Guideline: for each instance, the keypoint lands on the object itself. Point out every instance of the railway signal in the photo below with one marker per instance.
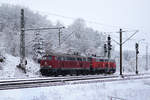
(137, 52)
(109, 46)
(137, 48)
(105, 49)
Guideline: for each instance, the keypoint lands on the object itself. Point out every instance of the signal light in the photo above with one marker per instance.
(105, 48)
(109, 43)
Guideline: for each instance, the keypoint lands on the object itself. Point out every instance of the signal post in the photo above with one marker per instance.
(137, 52)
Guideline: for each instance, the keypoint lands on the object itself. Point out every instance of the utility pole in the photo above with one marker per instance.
(59, 35)
(1, 27)
(120, 51)
(137, 52)
(22, 43)
(146, 57)
(59, 32)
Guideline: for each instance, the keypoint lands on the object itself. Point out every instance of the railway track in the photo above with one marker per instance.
(53, 81)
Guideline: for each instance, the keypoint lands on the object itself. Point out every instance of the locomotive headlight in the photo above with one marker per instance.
(45, 63)
(50, 66)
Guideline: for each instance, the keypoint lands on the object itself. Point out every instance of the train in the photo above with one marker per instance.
(66, 64)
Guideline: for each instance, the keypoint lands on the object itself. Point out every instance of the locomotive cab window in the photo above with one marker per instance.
(101, 60)
(44, 58)
(84, 59)
(59, 58)
(70, 58)
(89, 59)
(73, 59)
(49, 57)
(79, 59)
(97, 60)
(64, 58)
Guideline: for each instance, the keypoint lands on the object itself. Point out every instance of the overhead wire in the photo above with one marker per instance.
(87, 21)
(93, 22)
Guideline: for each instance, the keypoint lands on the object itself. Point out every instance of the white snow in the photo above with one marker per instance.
(9, 69)
(126, 90)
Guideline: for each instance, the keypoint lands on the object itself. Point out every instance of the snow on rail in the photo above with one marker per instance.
(54, 81)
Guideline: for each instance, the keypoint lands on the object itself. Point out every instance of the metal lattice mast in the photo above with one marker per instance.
(22, 38)
(23, 61)
(120, 51)
(146, 57)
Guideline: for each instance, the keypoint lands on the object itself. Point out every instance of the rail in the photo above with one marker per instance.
(53, 81)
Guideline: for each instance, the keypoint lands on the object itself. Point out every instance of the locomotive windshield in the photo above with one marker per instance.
(47, 57)
(89, 59)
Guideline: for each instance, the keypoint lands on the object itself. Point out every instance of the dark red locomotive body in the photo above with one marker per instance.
(55, 64)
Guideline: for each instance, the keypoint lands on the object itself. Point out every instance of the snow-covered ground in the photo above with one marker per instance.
(9, 69)
(126, 90)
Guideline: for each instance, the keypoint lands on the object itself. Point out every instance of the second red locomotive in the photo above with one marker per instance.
(58, 64)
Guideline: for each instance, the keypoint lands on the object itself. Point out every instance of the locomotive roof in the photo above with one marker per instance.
(71, 55)
(66, 55)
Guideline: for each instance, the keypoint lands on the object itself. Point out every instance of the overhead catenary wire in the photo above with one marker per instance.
(146, 35)
(130, 37)
(98, 23)
(43, 28)
(87, 21)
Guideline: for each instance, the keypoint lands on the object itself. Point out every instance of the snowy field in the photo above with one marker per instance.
(9, 69)
(126, 90)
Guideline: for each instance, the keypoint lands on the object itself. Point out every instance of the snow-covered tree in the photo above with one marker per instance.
(38, 46)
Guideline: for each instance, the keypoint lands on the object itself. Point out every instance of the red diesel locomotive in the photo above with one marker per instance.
(55, 64)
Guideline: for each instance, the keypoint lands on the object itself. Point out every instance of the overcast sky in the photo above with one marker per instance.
(130, 14)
